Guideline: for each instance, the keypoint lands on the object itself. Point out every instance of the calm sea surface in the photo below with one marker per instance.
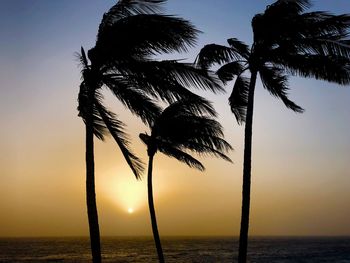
(221, 250)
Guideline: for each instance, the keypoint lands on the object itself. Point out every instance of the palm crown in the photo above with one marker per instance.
(286, 41)
(186, 126)
(130, 33)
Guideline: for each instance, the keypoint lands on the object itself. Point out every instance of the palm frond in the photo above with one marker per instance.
(276, 83)
(174, 92)
(83, 58)
(179, 124)
(133, 98)
(145, 35)
(316, 33)
(203, 142)
(125, 8)
(278, 20)
(230, 70)
(180, 155)
(190, 76)
(287, 7)
(156, 85)
(99, 127)
(187, 126)
(328, 47)
(240, 48)
(330, 68)
(321, 23)
(238, 99)
(323, 45)
(196, 133)
(203, 149)
(194, 106)
(155, 75)
(116, 129)
(213, 54)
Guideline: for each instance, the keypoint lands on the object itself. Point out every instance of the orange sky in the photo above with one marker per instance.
(300, 177)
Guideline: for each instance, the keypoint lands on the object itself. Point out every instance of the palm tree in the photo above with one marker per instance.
(287, 41)
(181, 127)
(129, 36)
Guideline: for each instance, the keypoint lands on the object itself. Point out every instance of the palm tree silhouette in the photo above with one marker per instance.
(184, 126)
(287, 41)
(129, 36)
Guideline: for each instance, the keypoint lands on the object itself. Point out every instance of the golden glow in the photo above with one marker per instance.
(124, 190)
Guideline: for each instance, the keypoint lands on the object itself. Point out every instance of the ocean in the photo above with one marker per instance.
(176, 249)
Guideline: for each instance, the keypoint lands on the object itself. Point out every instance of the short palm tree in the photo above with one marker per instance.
(129, 36)
(287, 41)
(184, 126)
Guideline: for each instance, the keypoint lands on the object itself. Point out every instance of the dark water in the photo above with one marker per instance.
(194, 250)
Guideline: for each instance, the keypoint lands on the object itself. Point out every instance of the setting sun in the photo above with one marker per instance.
(124, 190)
(116, 130)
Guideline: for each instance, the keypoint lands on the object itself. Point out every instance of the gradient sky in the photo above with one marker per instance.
(300, 176)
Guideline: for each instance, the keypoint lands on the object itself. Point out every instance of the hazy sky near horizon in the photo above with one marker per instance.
(301, 178)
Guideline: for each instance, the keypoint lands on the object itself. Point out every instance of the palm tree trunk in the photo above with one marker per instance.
(90, 190)
(243, 238)
(152, 211)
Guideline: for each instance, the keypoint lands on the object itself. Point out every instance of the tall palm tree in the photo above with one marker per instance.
(184, 126)
(129, 36)
(287, 41)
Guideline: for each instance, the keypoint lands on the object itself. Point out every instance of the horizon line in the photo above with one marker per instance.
(182, 236)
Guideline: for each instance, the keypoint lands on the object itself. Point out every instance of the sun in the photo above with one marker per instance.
(128, 194)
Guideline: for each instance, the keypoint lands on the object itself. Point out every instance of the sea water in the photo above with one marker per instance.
(180, 250)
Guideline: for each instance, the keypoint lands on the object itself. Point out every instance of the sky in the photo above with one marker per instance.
(300, 174)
